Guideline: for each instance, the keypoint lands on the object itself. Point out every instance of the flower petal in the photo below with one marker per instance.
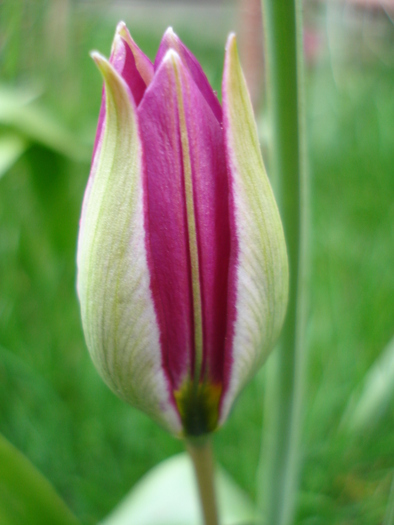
(258, 278)
(133, 65)
(171, 41)
(143, 64)
(118, 313)
(188, 223)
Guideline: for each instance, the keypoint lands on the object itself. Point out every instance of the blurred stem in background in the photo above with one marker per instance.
(200, 451)
(57, 30)
(283, 416)
(250, 31)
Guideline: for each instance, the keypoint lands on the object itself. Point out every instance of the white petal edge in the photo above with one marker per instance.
(118, 314)
(262, 267)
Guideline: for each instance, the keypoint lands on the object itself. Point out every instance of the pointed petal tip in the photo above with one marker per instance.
(173, 56)
(170, 34)
(97, 57)
(119, 32)
(231, 45)
(103, 65)
(122, 31)
(231, 40)
(231, 59)
(171, 38)
(121, 27)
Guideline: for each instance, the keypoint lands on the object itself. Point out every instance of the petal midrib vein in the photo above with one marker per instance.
(192, 231)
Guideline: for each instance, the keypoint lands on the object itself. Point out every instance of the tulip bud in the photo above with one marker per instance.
(182, 265)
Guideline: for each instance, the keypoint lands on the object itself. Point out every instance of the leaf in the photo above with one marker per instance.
(370, 400)
(27, 118)
(11, 148)
(167, 495)
(26, 497)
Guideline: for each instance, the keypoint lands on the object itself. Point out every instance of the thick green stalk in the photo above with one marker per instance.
(280, 452)
(200, 450)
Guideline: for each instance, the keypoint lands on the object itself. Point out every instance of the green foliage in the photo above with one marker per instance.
(25, 495)
(54, 407)
(370, 401)
(11, 148)
(347, 479)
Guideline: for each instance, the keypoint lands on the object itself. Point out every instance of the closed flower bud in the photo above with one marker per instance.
(182, 265)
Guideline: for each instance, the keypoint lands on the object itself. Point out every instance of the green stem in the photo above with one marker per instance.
(200, 451)
(279, 466)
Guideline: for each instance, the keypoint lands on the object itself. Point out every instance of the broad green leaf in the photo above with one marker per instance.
(370, 400)
(18, 96)
(23, 115)
(11, 148)
(167, 495)
(26, 497)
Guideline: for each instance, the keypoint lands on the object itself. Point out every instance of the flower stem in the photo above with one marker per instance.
(280, 457)
(200, 451)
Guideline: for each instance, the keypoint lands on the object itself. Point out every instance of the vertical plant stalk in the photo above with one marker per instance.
(280, 448)
(200, 451)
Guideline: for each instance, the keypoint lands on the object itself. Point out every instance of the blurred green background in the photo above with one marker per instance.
(53, 405)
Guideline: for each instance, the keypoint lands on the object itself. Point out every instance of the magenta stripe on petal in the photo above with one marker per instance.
(100, 125)
(168, 229)
(125, 63)
(209, 177)
(171, 41)
(227, 357)
(233, 271)
(142, 62)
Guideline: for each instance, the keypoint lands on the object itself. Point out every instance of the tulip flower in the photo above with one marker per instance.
(182, 264)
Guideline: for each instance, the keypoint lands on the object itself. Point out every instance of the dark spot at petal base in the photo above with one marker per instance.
(198, 407)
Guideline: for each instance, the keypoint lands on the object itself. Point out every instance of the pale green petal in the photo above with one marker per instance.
(262, 268)
(118, 313)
